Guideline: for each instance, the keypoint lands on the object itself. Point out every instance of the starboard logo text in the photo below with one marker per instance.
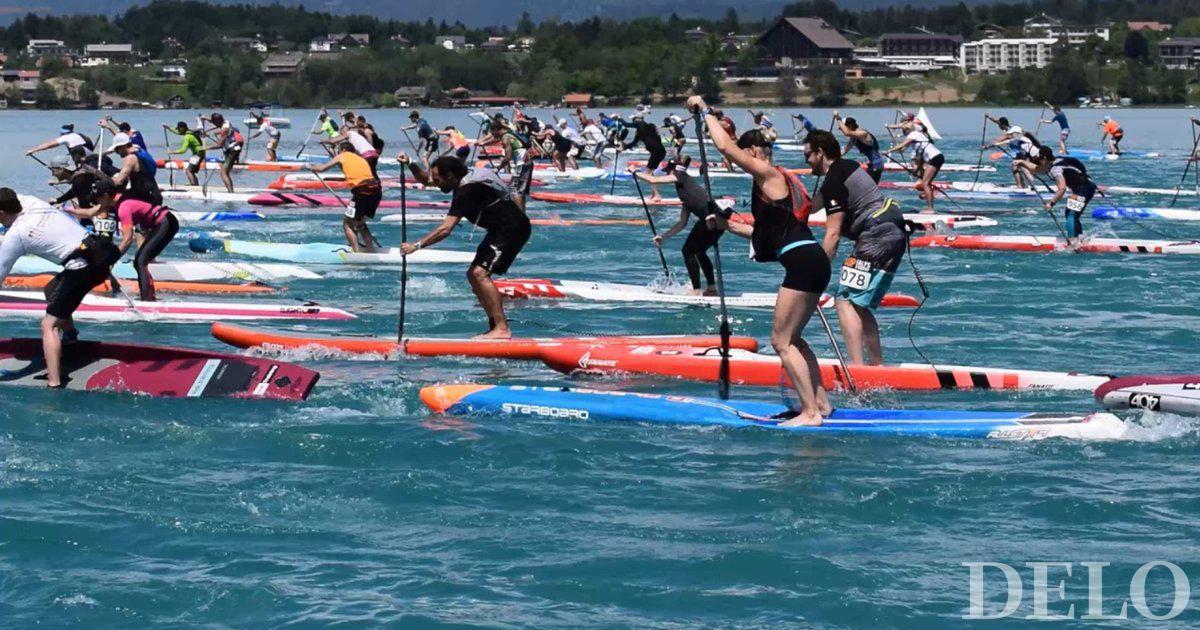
(1158, 579)
(545, 411)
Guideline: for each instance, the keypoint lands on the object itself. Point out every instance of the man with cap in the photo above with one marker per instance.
(229, 140)
(77, 144)
(36, 228)
(191, 142)
(80, 178)
(137, 171)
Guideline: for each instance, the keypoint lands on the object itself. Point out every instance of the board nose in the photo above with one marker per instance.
(439, 398)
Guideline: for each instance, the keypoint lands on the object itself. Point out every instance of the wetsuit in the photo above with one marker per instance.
(876, 226)
(701, 238)
(158, 227)
(779, 236)
(1081, 188)
(870, 150)
(678, 139)
(647, 134)
(483, 199)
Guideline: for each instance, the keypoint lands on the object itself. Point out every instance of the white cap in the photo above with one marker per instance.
(120, 140)
(562, 123)
(1107, 118)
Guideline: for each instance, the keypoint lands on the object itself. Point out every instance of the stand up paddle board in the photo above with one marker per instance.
(615, 200)
(541, 222)
(1051, 244)
(1173, 214)
(528, 348)
(184, 271)
(161, 286)
(158, 371)
(108, 309)
(275, 198)
(751, 368)
(1169, 393)
(613, 292)
(327, 253)
(575, 405)
(205, 217)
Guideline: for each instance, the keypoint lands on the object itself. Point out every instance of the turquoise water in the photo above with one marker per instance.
(357, 507)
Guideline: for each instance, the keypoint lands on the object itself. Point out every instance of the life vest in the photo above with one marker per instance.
(798, 197)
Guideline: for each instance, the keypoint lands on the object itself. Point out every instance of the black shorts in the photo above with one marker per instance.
(232, 156)
(431, 144)
(463, 152)
(656, 157)
(937, 162)
(364, 203)
(700, 239)
(806, 268)
(65, 292)
(499, 249)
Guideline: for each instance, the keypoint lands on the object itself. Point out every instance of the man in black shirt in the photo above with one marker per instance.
(702, 238)
(856, 210)
(482, 198)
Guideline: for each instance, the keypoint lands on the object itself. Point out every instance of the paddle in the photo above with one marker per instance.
(1191, 160)
(723, 374)
(654, 231)
(1041, 114)
(616, 158)
(312, 131)
(836, 348)
(171, 169)
(979, 163)
(403, 239)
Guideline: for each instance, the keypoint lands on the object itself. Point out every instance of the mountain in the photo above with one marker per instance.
(474, 13)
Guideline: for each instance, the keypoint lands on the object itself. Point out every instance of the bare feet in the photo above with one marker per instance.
(710, 292)
(802, 420)
(495, 333)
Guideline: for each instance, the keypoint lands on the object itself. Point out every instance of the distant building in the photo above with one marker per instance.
(1179, 53)
(338, 42)
(282, 65)
(695, 34)
(577, 99)
(495, 45)
(108, 55)
(38, 47)
(1072, 35)
(488, 101)
(456, 43)
(252, 44)
(920, 45)
(401, 41)
(1157, 27)
(525, 44)
(734, 43)
(412, 94)
(175, 73)
(998, 56)
(805, 42)
(175, 102)
(987, 30)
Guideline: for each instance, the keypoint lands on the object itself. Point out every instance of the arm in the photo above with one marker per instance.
(126, 238)
(833, 233)
(759, 169)
(107, 123)
(49, 144)
(321, 168)
(415, 168)
(436, 235)
(84, 213)
(11, 248)
(899, 147)
(1060, 191)
(653, 179)
(674, 229)
(122, 176)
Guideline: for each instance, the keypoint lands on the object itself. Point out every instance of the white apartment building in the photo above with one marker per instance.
(999, 56)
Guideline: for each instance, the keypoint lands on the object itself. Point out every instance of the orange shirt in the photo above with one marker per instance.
(1112, 128)
(355, 168)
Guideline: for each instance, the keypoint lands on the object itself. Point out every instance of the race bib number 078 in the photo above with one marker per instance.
(854, 278)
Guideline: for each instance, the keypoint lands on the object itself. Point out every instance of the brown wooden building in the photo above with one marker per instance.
(805, 42)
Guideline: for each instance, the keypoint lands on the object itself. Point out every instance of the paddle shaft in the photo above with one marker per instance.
(167, 146)
(836, 348)
(654, 231)
(723, 374)
(312, 131)
(1191, 160)
(403, 259)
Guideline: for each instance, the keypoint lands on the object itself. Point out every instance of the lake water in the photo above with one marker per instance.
(357, 507)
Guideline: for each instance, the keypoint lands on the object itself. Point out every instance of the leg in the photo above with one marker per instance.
(792, 311)
(364, 234)
(348, 228)
(492, 302)
(226, 172)
(151, 247)
(52, 349)
(191, 176)
(852, 330)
